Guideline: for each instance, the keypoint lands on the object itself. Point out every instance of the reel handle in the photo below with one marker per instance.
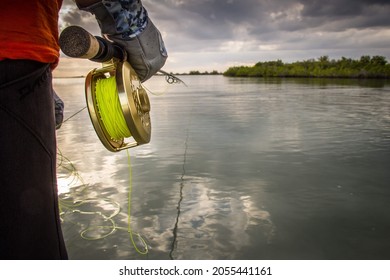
(77, 42)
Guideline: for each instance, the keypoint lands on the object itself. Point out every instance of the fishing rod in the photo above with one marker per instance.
(117, 103)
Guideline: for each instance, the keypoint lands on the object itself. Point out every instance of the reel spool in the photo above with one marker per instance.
(134, 105)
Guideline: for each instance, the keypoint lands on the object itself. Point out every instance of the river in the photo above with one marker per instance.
(237, 168)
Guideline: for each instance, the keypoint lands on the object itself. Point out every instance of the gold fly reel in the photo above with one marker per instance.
(134, 103)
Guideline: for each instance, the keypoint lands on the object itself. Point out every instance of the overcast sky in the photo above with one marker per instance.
(211, 35)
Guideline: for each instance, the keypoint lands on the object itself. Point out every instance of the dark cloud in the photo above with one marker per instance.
(345, 14)
(218, 19)
(341, 27)
(340, 8)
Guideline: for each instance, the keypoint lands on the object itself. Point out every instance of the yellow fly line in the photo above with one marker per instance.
(110, 109)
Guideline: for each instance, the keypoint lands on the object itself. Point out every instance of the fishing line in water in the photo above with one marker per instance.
(129, 230)
(97, 232)
(72, 174)
(176, 226)
(182, 183)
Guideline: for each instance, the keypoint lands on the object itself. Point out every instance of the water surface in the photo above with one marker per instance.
(237, 168)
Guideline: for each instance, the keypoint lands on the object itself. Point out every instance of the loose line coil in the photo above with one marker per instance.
(118, 106)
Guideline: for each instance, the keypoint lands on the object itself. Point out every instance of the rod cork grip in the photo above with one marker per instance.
(76, 42)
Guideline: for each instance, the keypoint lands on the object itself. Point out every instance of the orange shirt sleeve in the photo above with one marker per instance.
(29, 30)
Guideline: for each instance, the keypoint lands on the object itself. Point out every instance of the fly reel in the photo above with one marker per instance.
(133, 105)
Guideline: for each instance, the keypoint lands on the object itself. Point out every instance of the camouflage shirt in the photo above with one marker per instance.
(129, 15)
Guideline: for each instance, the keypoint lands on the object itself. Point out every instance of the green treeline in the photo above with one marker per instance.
(196, 72)
(323, 67)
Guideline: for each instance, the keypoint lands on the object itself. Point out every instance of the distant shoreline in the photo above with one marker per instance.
(366, 67)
